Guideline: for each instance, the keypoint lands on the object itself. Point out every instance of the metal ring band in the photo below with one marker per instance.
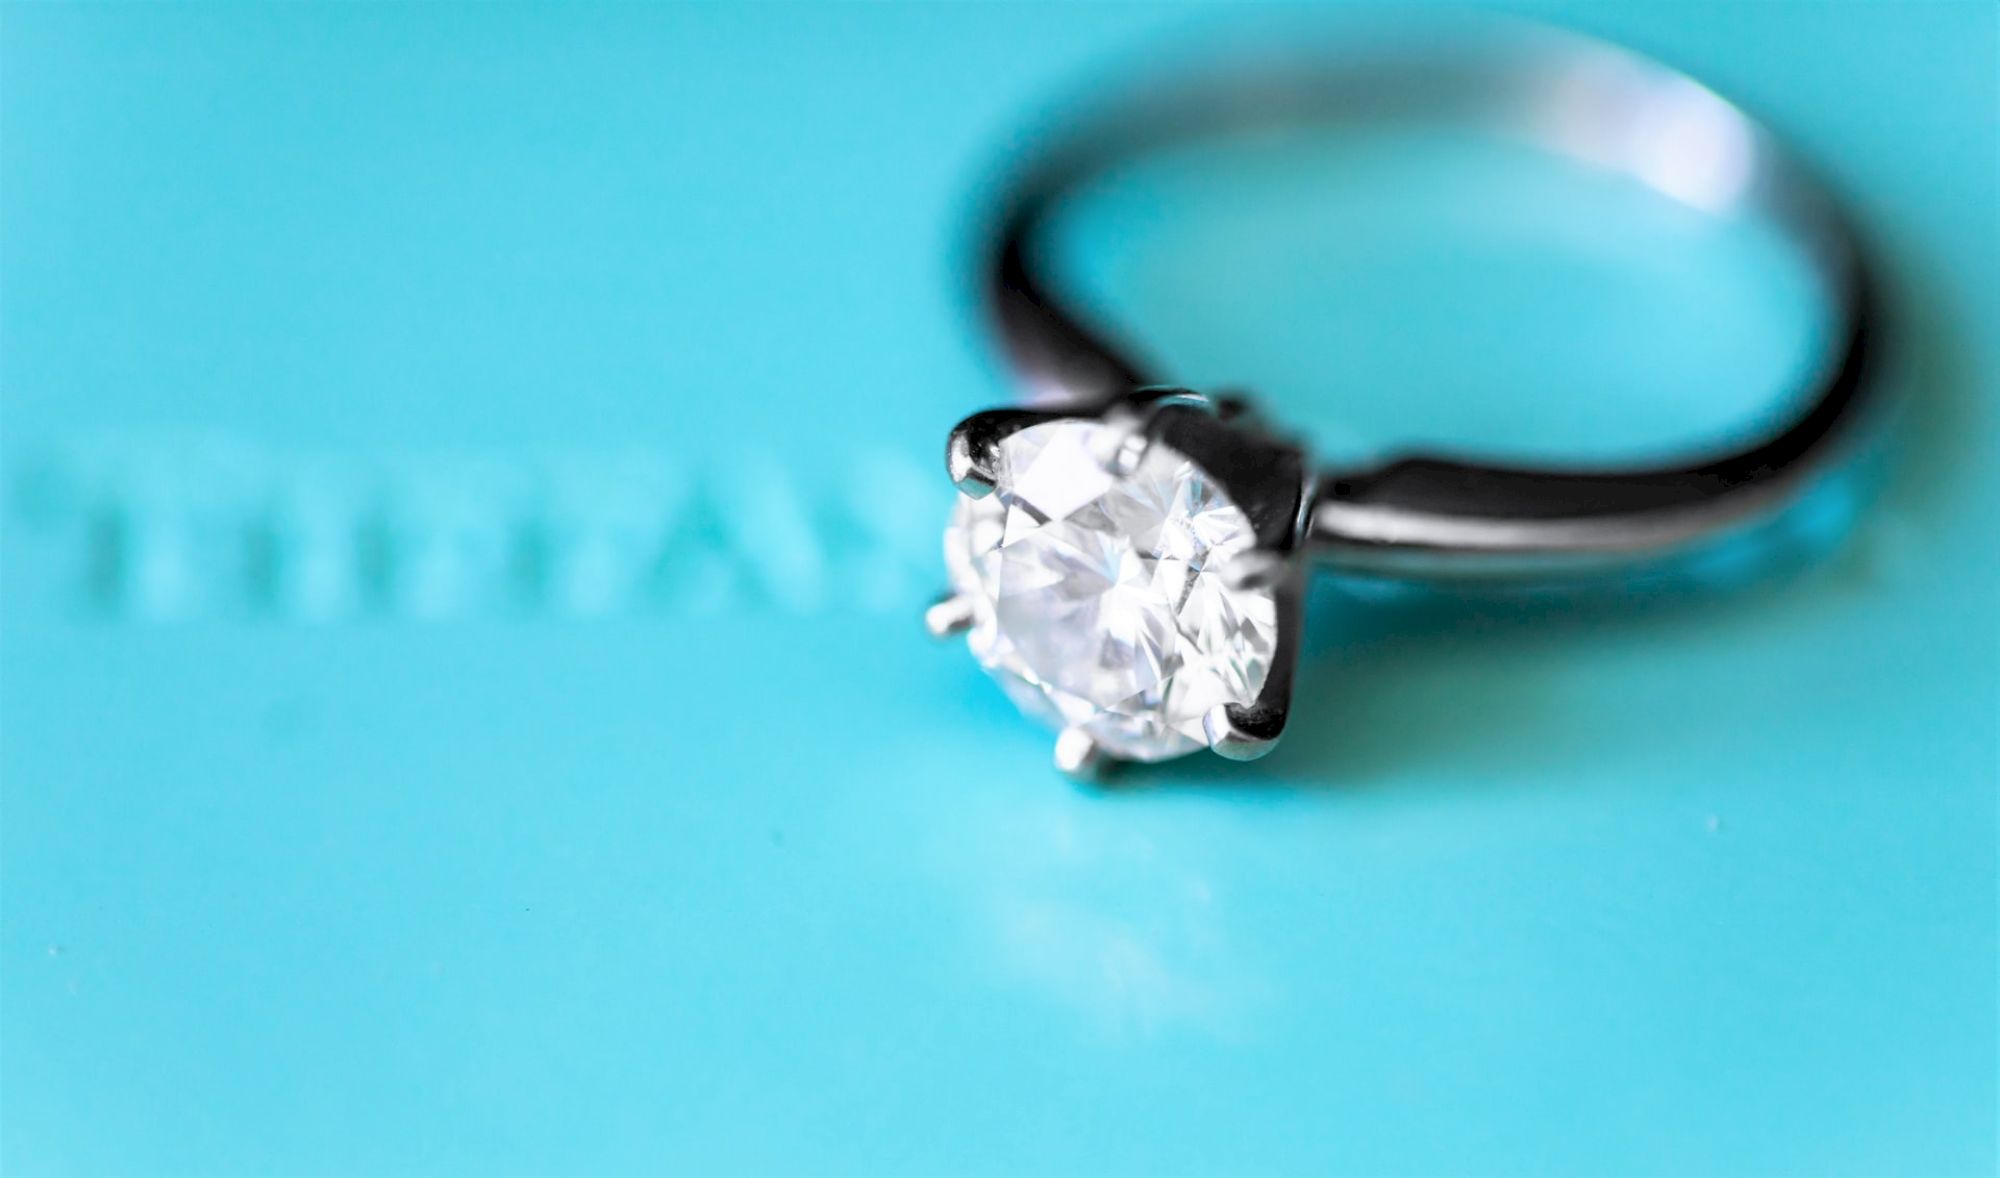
(1444, 517)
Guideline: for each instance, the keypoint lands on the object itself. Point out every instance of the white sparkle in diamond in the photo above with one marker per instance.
(1097, 598)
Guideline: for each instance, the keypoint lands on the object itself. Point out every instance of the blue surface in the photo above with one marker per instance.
(378, 798)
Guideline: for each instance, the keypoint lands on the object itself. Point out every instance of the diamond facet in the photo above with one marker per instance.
(1097, 592)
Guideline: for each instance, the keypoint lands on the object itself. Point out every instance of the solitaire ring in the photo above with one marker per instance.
(1128, 558)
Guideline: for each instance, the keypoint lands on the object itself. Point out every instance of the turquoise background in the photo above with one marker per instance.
(419, 758)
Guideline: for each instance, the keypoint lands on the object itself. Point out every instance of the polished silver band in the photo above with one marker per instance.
(1446, 517)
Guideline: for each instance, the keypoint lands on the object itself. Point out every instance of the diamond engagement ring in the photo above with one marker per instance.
(1128, 558)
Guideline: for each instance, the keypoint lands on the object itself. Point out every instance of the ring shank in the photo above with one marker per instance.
(1447, 517)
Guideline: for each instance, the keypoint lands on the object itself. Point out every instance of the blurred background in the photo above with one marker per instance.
(469, 477)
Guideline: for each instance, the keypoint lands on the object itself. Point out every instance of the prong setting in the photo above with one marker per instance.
(1124, 448)
(970, 453)
(972, 474)
(1242, 733)
(1245, 732)
(950, 614)
(1260, 568)
(1080, 758)
(1173, 458)
(1134, 422)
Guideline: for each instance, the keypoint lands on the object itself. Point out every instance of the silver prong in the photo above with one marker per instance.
(1256, 569)
(1125, 446)
(1078, 757)
(949, 615)
(1132, 423)
(972, 452)
(1240, 733)
(971, 473)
